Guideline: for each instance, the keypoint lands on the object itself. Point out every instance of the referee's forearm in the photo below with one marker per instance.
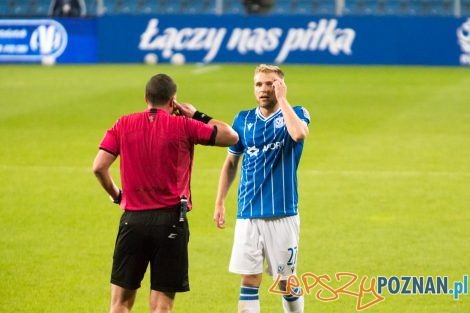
(106, 181)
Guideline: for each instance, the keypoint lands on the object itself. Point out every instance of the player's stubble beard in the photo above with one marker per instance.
(269, 105)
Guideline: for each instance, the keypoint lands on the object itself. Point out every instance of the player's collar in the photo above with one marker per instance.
(265, 119)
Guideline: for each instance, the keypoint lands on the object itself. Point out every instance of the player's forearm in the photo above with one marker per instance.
(295, 126)
(227, 176)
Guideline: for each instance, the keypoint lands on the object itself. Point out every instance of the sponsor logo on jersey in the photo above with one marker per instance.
(306, 113)
(279, 122)
(253, 150)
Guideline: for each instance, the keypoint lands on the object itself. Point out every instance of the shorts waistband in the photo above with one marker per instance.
(159, 210)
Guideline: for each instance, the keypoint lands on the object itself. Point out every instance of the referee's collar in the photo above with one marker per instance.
(156, 111)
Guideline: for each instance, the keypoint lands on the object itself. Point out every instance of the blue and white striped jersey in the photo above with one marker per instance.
(268, 182)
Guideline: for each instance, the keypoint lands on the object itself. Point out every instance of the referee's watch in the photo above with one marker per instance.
(118, 199)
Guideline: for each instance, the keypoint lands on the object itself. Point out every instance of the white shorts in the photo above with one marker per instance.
(273, 239)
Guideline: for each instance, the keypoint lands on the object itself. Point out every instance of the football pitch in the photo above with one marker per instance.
(384, 183)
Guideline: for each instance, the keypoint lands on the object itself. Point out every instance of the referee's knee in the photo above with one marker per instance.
(122, 299)
(161, 302)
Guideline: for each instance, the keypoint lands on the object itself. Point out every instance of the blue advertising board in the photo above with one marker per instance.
(286, 39)
(239, 39)
(54, 40)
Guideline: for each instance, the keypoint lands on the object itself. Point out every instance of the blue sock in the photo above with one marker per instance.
(249, 300)
(249, 293)
(291, 297)
(292, 303)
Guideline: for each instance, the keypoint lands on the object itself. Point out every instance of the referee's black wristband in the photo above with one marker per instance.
(201, 117)
(118, 199)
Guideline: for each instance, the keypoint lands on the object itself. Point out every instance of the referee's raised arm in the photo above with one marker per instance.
(225, 136)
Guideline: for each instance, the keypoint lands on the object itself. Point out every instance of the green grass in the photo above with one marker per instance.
(384, 182)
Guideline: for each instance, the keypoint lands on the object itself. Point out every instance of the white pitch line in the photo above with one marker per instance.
(12, 84)
(301, 172)
(206, 69)
(385, 173)
(46, 168)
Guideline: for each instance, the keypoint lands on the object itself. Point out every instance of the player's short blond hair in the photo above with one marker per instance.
(266, 68)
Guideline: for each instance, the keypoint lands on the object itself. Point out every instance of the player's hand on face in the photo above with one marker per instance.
(219, 216)
(185, 109)
(280, 88)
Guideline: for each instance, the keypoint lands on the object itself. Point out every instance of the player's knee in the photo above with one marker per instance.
(282, 285)
(251, 280)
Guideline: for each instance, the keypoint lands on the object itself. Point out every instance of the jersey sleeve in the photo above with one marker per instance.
(303, 114)
(201, 133)
(110, 142)
(238, 148)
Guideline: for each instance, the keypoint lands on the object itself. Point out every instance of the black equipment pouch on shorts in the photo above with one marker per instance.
(183, 209)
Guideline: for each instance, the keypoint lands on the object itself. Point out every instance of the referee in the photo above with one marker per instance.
(156, 149)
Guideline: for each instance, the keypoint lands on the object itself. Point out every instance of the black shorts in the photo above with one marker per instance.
(155, 237)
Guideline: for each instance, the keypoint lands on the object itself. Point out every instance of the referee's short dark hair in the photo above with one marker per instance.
(160, 88)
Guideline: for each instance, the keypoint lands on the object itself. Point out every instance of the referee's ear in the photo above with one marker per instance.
(172, 104)
(147, 100)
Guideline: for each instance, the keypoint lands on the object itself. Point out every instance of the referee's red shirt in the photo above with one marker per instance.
(156, 151)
